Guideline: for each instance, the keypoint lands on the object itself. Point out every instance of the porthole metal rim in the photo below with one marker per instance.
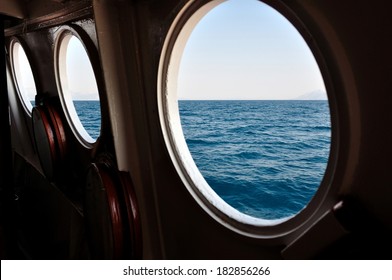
(26, 103)
(66, 99)
(170, 125)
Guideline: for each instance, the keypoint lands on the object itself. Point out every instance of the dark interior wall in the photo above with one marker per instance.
(5, 151)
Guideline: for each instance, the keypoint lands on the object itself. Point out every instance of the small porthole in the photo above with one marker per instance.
(244, 111)
(78, 87)
(24, 77)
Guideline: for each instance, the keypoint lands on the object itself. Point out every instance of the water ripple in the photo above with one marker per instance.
(264, 158)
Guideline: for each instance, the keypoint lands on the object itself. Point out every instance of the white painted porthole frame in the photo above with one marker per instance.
(63, 37)
(26, 103)
(184, 164)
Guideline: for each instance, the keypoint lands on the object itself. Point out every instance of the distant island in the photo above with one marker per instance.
(313, 95)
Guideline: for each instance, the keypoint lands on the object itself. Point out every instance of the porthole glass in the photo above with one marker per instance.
(78, 88)
(245, 112)
(23, 76)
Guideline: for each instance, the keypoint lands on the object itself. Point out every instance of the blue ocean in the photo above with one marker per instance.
(264, 158)
(89, 113)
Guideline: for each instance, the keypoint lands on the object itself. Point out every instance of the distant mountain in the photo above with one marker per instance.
(313, 95)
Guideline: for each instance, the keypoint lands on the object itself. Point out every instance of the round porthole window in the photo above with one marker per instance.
(23, 74)
(244, 111)
(78, 87)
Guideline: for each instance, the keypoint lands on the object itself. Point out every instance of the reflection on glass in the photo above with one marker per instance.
(254, 109)
(23, 75)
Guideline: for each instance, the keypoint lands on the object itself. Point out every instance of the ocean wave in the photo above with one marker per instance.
(89, 113)
(265, 159)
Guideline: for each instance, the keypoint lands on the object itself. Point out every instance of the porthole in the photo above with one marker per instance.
(245, 112)
(78, 87)
(23, 74)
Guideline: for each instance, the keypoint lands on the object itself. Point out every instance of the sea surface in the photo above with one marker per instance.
(89, 113)
(264, 158)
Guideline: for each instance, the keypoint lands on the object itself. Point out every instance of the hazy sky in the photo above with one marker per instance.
(24, 74)
(81, 79)
(244, 49)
